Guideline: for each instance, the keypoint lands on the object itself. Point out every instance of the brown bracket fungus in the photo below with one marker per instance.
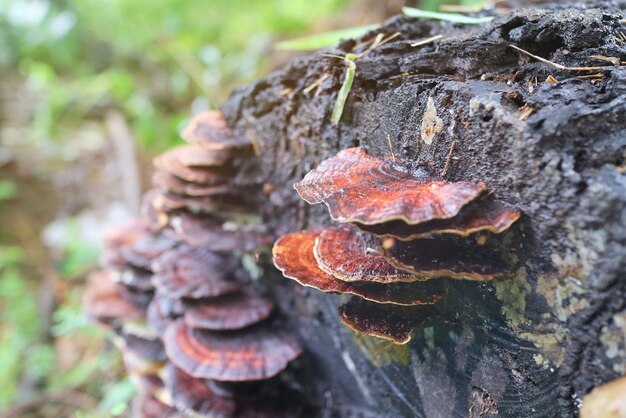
(150, 349)
(480, 215)
(229, 312)
(148, 406)
(170, 183)
(210, 233)
(293, 255)
(179, 162)
(176, 290)
(209, 130)
(193, 394)
(358, 187)
(252, 354)
(393, 323)
(104, 302)
(163, 310)
(192, 272)
(193, 156)
(136, 277)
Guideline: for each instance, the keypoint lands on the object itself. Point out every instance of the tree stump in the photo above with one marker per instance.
(550, 142)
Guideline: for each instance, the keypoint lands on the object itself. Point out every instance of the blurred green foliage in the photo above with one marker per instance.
(150, 58)
(8, 189)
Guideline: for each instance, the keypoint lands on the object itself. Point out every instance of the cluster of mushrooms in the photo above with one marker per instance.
(198, 335)
(402, 233)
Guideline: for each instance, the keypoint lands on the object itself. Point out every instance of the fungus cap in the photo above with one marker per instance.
(393, 323)
(174, 184)
(358, 187)
(200, 175)
(350, 255)
(150, 349)
(209, 130)
(192, 272)
(480, 215)
(103, 300)
(162, 311)
(195, 394)
(252, 354)
(197, 156)
(209, 232)
(293, 255)
(229, 312)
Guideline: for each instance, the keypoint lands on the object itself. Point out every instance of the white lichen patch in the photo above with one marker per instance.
(431, 123)
(613, 338)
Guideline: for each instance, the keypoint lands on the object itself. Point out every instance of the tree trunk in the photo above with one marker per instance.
(528, 346)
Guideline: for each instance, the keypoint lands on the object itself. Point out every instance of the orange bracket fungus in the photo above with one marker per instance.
(350, 255)
(414, 228)
(293, 255)
(358, 187)
(255, 354)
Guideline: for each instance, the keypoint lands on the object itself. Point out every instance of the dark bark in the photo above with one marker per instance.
(530, 346)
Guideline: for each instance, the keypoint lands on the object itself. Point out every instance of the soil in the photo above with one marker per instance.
(529, 346)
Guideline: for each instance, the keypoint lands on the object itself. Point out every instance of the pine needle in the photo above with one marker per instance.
(554, 64)
(427, 40)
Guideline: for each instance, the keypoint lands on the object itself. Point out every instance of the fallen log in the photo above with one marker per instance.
(532, 104)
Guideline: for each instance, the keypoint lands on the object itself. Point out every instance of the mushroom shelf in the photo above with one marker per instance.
(197, 334)
(375, 192)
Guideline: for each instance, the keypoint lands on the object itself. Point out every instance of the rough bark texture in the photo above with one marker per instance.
(530, 346)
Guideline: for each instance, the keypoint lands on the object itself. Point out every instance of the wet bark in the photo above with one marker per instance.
(529, 346)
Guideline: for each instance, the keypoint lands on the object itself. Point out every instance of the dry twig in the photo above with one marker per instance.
(554, 64)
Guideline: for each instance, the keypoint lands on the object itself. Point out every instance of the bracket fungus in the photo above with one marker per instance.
(481, 215)
(210, 232)
(192, 394)
(293, 255)
(176, 293)
(246, 355)
(416, 230)
(358, 187)
(391, 323)
(193, 272)
(209, 130)
(350, 255)
(230, 312)
(104, 302)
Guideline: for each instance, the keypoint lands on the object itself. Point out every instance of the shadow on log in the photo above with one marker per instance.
(556, 149)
